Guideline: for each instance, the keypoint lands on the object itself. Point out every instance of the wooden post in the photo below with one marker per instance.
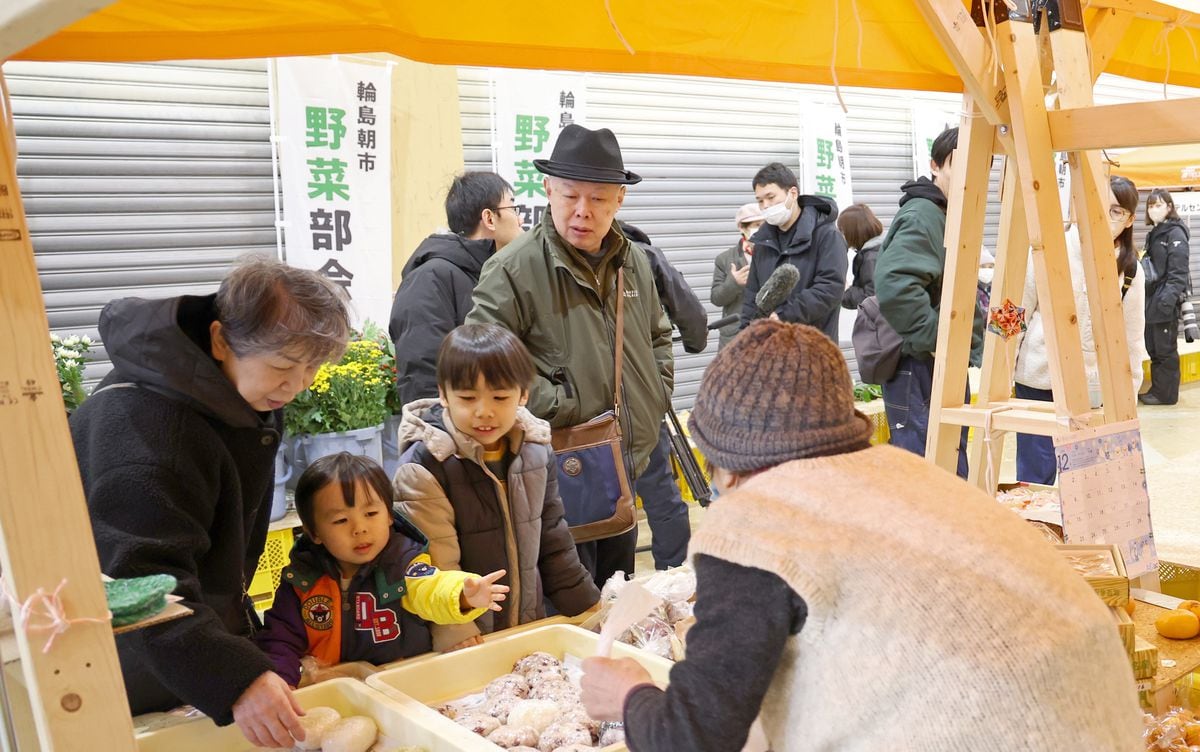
(966, 209)
(1035, 167)
(1089, 190)
(1008, 281)
(75, 688)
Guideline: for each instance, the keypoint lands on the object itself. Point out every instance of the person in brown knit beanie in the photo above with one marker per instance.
(810, 410)
(858, 598)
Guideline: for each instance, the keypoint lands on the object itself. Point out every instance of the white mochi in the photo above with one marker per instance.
(316, 722)
(354, 734)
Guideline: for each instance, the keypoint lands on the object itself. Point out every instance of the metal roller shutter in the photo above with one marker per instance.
(144, 180)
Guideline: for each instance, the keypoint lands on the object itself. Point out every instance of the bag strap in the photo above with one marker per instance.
(620, 340)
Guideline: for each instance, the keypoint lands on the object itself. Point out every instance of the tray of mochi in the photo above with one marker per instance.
(341, 715)
(519, 692)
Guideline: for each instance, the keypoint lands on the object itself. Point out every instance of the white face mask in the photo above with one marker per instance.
(985, 274)
(778, 214)
(1157, 213)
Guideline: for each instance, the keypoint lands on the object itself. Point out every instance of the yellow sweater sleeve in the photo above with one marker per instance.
(435, 595)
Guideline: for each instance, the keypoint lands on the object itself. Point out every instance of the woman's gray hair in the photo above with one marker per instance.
(267, 306)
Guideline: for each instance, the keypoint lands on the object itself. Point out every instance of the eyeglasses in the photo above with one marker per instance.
(516, 209)
(1119, 213)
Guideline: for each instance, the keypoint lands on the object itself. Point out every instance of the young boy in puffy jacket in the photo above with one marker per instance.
(478, 476)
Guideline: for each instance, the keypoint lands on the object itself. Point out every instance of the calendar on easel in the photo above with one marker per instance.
(1102, 486)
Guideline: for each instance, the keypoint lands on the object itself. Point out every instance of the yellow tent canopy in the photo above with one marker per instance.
(1160, 166)
(884, 43)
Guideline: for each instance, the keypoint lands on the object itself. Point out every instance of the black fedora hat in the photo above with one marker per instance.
(587, 155)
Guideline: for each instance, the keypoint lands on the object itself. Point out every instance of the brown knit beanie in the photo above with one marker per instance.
(777, 392)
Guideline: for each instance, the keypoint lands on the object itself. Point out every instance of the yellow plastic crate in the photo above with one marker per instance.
(275, 556)
(400, 722)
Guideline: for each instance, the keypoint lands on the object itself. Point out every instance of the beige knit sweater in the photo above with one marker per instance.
(938, 620)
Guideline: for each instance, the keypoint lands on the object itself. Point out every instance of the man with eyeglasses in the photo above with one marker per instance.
(437, 282)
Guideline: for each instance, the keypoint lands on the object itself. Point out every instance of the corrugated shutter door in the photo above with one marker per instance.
(140, 180)
(698, 143)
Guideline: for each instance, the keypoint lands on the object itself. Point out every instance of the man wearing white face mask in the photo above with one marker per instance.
(801, 231)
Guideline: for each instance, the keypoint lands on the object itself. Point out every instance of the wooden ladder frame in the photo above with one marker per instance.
(1006, 113)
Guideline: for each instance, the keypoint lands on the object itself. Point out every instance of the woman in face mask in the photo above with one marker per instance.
(1167, 285)
(1035, 454)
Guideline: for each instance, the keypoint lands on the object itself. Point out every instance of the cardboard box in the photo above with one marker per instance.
(400, 724)
(450, 676)
(1145, 659)
(1113, 589)
(1125, 627)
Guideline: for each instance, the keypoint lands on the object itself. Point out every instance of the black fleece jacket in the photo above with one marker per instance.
(178, 472)
(434, 297)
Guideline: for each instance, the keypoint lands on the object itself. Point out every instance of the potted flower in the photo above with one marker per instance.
(387, 365)
(345, 407)
(69, 359)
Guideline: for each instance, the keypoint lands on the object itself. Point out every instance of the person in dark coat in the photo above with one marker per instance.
(436, 285)
(864, 233)
(666, 512)
(1168, 251)
(800, 231)
(731, 271)
(176, 451)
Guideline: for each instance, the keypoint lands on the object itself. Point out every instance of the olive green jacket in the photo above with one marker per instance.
(550, 297)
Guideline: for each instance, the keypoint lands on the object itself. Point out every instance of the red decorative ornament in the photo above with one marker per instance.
(1008, 320)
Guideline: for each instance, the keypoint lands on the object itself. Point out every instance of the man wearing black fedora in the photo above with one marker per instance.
(555, 287)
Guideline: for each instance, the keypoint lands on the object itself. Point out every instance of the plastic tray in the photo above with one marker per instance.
(401, 722)
(453, 675)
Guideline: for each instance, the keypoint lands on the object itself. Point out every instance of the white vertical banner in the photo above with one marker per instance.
(334, 121)
(825, 155)
(530, 109)
(929, 120)
(1062, 171)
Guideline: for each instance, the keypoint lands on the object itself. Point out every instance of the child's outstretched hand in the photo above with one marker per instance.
(483, 592)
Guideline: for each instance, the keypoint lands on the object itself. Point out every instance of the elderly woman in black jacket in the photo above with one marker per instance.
(176, 451)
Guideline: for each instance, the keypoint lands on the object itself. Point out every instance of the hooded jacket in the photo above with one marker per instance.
(565, 313)
(474, 523)
(908, 272)
(1167, 247)
(817, 249)
(684, 310)
(178, 473)
(863, 268)
(434, 297)
(382, 616)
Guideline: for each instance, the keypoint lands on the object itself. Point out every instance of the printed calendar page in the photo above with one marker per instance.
(1102, 483)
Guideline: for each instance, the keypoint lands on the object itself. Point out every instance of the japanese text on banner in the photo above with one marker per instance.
(334, 125)
(826, 156)
(531, 108)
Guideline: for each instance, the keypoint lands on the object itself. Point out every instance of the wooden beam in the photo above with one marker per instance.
(26, 22)
(1043, 212)
(969, 51)
(1018, 419)
(1105, 31)
(46, 539)
(965, 212)
(1157, 123)
(1090, 190)
(999, 355)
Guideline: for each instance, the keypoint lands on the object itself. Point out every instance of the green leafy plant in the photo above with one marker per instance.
(867, 392)
(69, 358)
(346, 395)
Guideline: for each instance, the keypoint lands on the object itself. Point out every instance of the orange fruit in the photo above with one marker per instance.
(1179, 624)
(1130, 606)
(1193, 606)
